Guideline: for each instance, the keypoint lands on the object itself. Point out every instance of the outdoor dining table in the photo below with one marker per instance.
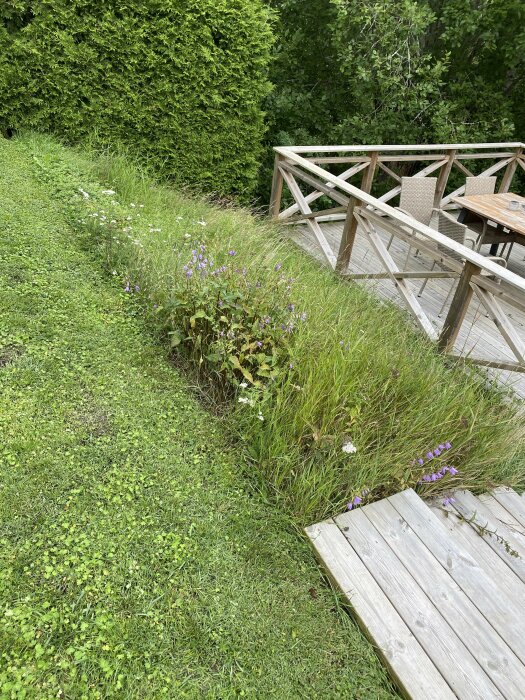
(495, 207)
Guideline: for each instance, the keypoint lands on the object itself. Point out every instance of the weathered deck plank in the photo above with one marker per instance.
(442, 645)
(512, 503)
(415, 674)
(472, 509)
(428, 578)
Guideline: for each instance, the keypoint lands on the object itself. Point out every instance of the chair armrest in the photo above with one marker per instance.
(470, 241)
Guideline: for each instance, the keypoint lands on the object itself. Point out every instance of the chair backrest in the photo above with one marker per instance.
(451, 228)
(480, 185)
(417, 197)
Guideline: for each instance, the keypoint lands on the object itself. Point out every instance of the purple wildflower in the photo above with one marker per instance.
(127, 288)
(137, 288)
(278, 267)
(430, 455)
(447, 446)
(448, 501)
(357, 501)
(420, 461)
(453, 471)
(232, 252)
(188, 273)
(259, 344)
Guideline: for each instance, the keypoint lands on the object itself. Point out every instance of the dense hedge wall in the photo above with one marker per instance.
(179, 81)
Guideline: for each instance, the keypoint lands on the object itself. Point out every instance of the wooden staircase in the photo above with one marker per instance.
(439, 590)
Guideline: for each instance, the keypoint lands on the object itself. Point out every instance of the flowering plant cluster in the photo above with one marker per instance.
(233, 323)
(229, 321)
(432, 476)
(438, 472)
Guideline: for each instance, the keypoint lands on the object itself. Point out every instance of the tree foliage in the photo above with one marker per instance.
(397, 71)
(179, 81)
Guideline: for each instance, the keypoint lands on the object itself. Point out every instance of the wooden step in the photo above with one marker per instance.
(444, 606)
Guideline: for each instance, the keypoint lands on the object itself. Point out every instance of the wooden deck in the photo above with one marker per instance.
(478, 337)
(442, 599)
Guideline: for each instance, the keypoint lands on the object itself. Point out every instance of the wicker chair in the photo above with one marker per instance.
(451, 228)
(417, 199)
(487, 234)
(480, 185)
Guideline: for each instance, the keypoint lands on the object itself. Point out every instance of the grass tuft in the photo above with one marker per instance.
(134, 561)
(358, 371)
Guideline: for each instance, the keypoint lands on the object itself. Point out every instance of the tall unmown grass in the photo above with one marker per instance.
(358, 370)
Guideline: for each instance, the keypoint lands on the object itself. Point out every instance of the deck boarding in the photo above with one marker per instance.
(440, 596)
(479, 337)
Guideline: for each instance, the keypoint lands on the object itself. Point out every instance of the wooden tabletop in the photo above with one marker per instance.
(495, 207)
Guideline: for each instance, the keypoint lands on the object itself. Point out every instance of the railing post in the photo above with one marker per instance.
(348, 238)
(350, 226)
(277, 188)
(510, 170)
(458, 307)
(368, 173)
(443, 177)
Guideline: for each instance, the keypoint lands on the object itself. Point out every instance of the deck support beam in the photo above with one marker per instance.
(443, 177)
(350, 226)
(458, 307)
(509, 173)
(277, 188)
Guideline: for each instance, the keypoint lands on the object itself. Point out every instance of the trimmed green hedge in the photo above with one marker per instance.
(180, 82)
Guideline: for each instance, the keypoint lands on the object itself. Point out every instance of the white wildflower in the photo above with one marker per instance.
(349, 448)
(108, 192)
(83, 193)
(141, 206)
(129, 218)
(187, 235)
(202, 223)
(114, 272)
(179, 218)
(245, 399)
(260, 416)
(243, 385)
(132, 205)
(155, 230)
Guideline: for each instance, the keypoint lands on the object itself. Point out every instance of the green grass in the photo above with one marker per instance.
(136, 561)
(360, 371)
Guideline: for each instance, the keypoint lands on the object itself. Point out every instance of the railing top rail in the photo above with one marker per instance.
(511, 278)
(399, 147)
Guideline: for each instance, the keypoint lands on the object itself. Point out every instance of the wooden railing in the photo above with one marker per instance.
(299, 169)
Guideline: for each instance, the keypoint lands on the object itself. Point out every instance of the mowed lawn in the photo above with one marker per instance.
(137, 560)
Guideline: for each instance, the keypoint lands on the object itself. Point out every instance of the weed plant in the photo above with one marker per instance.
(307, 363)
